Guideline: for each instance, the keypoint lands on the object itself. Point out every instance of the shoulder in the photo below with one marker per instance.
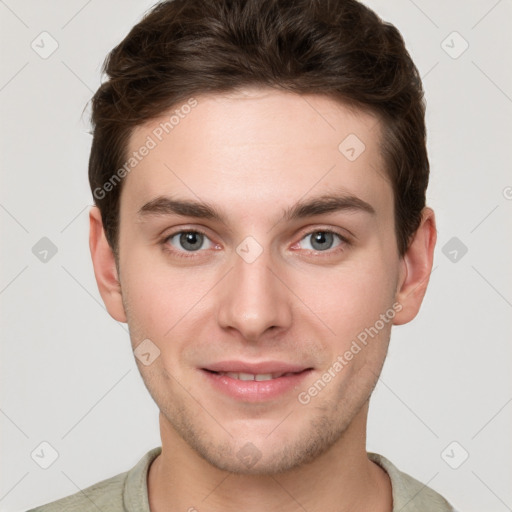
(104, 495)
(410, 495)
(111, 494)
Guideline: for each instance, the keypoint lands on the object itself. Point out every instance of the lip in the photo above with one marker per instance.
(255, 391)
(254, 368)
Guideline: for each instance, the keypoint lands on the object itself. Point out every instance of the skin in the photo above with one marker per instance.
(253, 154)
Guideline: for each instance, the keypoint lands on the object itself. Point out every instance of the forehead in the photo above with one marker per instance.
(258, 149)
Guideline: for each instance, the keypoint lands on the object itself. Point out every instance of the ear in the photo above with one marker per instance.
(416, 266)
(104, 265)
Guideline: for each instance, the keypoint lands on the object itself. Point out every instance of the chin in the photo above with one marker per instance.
(263, 455)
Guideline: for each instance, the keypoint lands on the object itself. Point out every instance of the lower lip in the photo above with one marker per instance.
(252, 390)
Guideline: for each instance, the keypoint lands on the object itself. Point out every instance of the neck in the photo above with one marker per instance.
(341, 479)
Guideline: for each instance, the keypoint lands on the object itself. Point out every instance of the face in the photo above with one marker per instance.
(259, 258)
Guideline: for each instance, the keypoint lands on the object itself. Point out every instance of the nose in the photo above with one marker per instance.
(253, 300)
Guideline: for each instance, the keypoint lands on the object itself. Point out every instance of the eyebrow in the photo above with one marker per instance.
(164, 205)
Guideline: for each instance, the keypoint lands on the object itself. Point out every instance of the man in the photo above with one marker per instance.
(259, 171)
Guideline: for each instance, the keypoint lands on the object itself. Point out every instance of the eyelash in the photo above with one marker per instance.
(191, 254)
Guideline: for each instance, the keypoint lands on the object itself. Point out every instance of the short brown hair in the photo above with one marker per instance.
(338, 48)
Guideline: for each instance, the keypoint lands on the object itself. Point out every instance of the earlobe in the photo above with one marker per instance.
(104, 265)
(416, 268)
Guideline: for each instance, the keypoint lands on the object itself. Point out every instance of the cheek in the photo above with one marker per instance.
(162, 299)
(351, 298)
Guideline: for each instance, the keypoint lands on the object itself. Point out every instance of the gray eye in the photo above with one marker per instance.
(188, 240)
(320, 240)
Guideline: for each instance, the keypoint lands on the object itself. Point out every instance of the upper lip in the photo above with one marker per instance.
(262, 367)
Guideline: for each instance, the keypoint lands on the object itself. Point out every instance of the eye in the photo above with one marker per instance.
(322, 240)
(189, 241)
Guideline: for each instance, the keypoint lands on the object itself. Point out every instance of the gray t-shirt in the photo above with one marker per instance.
(128, 492)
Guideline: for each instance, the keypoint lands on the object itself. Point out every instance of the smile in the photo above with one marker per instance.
(258, 377)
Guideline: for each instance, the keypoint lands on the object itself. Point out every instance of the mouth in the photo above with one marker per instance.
(259, 377)
(255, 382)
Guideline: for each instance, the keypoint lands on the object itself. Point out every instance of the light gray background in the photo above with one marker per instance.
(67, 372)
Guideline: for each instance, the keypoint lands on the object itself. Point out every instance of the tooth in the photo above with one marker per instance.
(245, 376)
(263, 376)
(250, 376)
